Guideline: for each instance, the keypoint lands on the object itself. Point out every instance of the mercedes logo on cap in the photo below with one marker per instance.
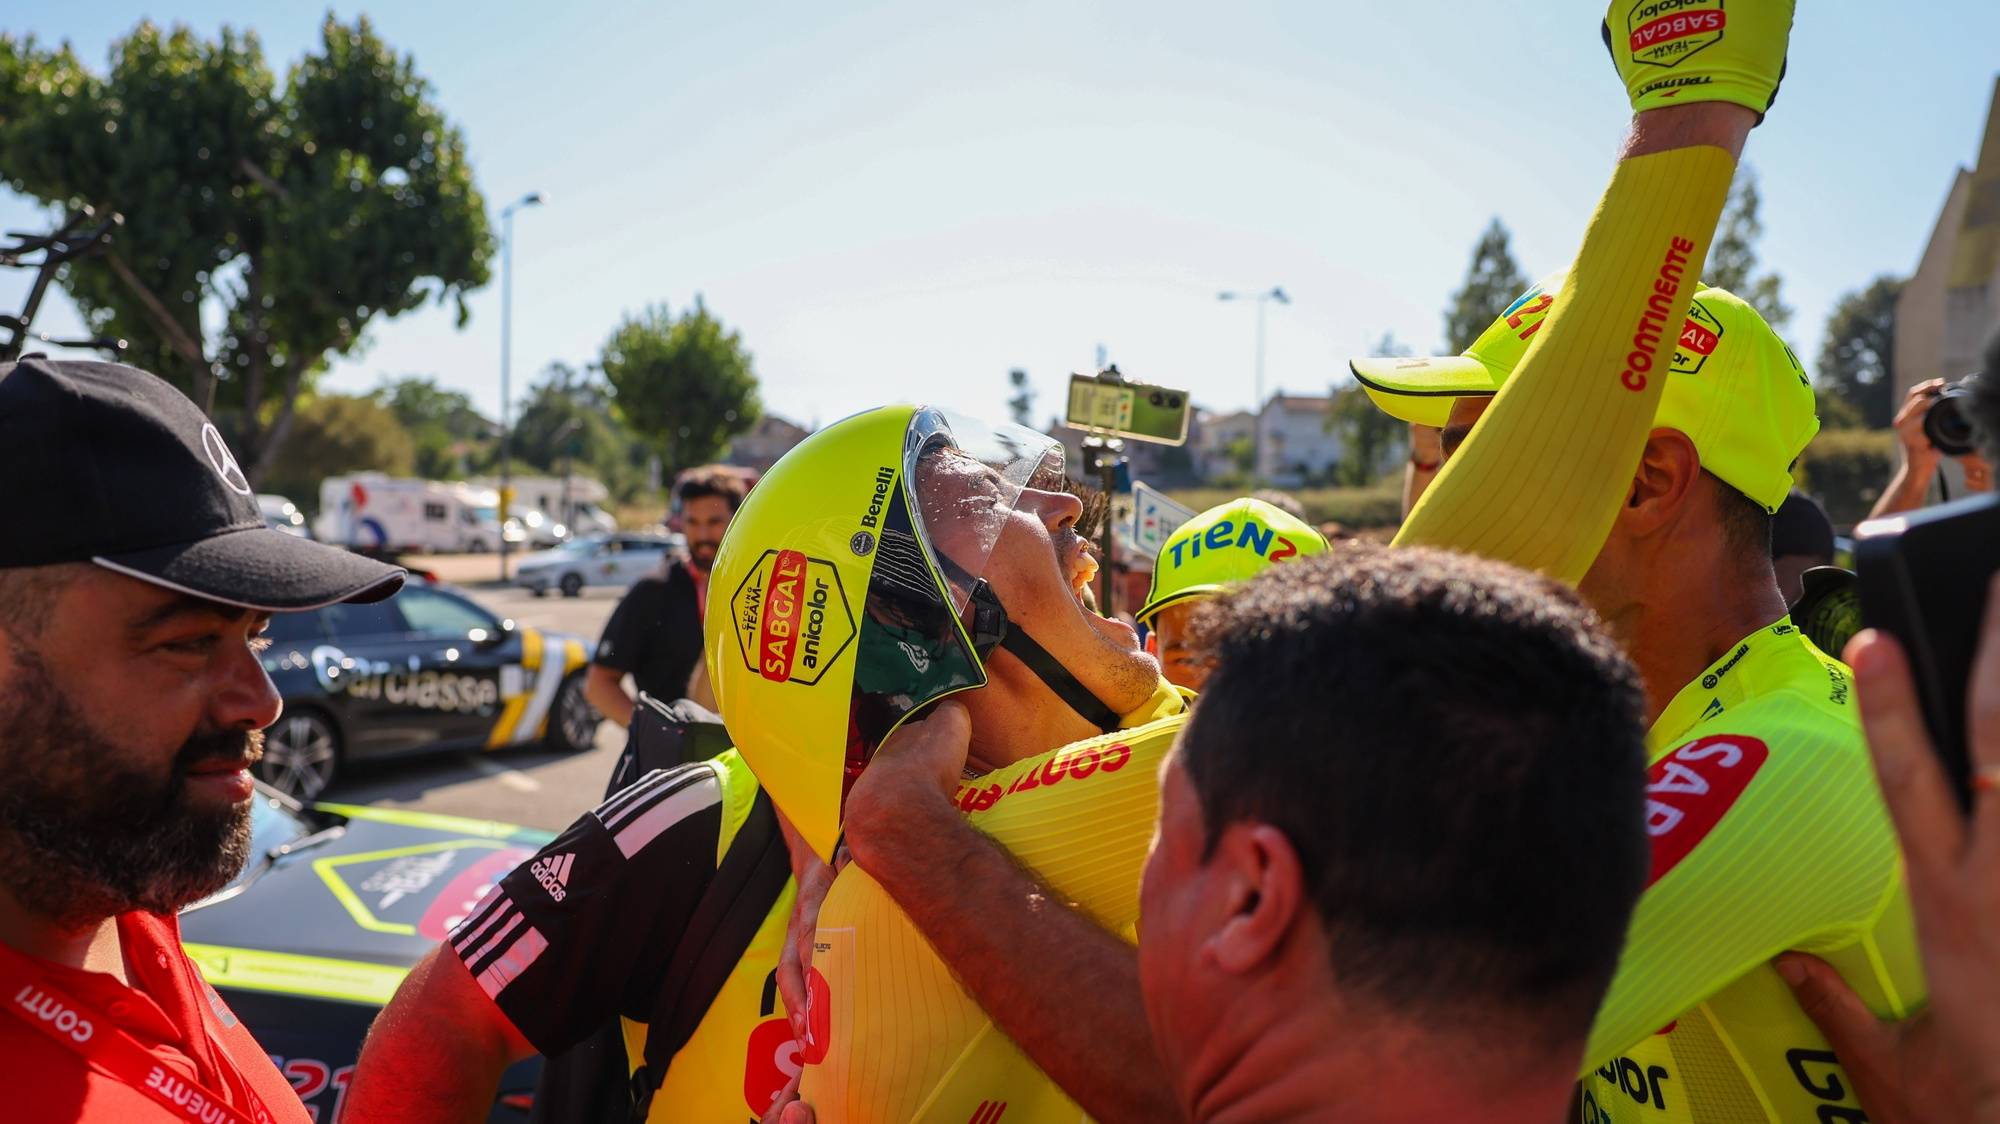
(222, 460)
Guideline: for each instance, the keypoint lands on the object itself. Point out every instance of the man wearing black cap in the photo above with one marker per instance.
(1801, 539)
(134, 583)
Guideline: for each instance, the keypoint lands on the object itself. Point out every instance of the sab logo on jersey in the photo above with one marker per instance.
(1689, 790)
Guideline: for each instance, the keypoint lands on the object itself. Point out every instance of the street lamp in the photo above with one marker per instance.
(1276, 293)
(531, 199)
(556, 441)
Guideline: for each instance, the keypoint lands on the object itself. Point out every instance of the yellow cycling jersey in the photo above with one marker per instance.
(1769, 834)
(905, 1042)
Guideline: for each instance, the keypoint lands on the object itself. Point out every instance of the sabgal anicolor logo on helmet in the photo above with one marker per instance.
(790, 617)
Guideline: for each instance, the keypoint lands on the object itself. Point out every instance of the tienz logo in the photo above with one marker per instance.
(1665, 32)
(790, 617)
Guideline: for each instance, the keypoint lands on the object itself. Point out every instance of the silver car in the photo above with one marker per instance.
(615, 560)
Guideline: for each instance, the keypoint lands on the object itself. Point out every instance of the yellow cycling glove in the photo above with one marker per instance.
(1677, 52)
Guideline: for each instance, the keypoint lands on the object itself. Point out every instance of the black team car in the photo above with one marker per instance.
(335, 906)
(426, 669)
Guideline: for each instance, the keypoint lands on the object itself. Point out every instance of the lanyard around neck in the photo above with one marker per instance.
(105, 1047)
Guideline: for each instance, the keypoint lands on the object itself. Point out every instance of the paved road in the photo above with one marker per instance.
(523, 786)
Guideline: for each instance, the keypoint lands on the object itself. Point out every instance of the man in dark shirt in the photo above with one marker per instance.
(654, 634)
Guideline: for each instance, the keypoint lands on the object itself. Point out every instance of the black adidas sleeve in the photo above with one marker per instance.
(584, 930)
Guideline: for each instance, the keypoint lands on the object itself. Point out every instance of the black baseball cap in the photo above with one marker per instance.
(105, 463)
(1801, 527)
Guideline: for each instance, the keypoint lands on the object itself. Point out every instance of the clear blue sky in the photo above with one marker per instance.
(903, 200)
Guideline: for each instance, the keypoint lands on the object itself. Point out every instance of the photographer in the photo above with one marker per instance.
(1921, 455)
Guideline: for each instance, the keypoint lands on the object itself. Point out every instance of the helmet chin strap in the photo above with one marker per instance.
(1057, 678)
(991, 628)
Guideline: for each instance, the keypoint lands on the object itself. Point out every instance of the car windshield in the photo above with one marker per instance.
(581, 546)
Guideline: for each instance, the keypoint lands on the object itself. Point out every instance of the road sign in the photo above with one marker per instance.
(1155, 515)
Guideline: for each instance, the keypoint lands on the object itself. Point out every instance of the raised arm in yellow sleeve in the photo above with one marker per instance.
(1541, 477)
(1545, 469)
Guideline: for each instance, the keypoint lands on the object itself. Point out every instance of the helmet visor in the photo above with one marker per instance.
(928, 620)
(967, 476)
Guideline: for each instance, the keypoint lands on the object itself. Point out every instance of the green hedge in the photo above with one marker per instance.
(1846, 470)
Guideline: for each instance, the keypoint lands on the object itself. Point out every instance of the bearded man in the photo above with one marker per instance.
(133, 591)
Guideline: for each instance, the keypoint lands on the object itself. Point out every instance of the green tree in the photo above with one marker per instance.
(1492, 282)
(683, 384)
(1021, 404)
(1366, 433)
(568, 422)
(450, 435)
(336, 433)
(266, 223)
(1732, 258)
(1242, 454)
(1857, 356)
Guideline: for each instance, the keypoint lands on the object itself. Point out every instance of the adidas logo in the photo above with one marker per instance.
(553, 874)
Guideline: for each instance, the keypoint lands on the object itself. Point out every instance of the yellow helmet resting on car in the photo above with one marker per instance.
(846, 595)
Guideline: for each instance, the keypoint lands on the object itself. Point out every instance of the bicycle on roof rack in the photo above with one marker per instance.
(81, 232)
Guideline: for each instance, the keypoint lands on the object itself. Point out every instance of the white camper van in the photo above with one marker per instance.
(580, 505)
(372, 511)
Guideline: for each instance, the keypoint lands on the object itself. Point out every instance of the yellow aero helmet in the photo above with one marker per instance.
(1229, 543)
(845, 594)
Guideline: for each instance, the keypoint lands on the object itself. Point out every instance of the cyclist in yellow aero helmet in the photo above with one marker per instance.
(905, 559)
(1226, 544)
(1768, 830)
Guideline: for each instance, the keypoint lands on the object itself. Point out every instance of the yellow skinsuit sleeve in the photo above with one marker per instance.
(908, 1045)
(1540, 480)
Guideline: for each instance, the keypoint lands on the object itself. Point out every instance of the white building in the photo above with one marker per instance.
(1219, 434)
(1952, 302)
(1294, 447)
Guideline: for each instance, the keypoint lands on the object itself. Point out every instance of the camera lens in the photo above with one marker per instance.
(1949, 424)
(1157, 399)
(1173, 401)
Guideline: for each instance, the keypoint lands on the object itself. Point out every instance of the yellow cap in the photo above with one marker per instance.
(1229, 543)
(1735, 389)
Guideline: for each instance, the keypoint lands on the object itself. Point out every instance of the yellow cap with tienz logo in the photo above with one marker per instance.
(1226, 544)
(1734, 387)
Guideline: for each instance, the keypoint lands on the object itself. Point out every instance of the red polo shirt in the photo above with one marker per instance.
(169, 1010)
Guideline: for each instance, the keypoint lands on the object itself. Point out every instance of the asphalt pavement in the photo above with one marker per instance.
(528, 786)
